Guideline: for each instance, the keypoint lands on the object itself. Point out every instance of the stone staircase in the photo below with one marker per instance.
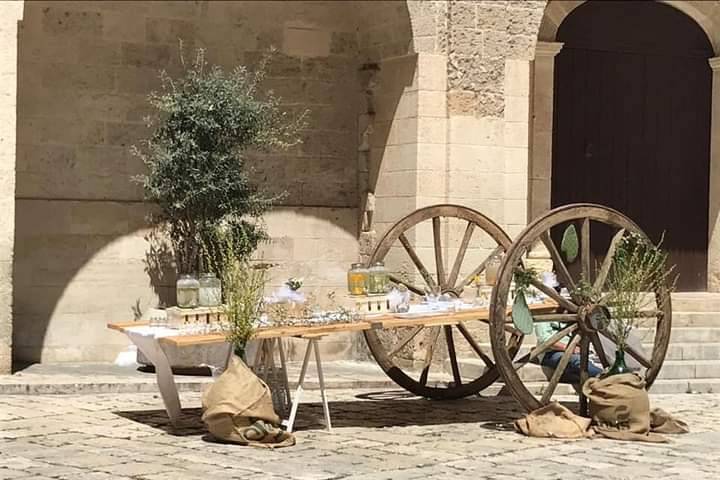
(692, 363)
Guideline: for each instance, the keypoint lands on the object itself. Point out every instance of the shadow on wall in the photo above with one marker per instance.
(84, 70)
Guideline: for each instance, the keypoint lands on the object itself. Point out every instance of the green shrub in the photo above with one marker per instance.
(205, 123)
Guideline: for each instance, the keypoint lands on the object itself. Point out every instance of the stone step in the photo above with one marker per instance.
(684, 334)
(700, 385)
(690, 351)
(696, 302)
(672, 370)
(687, 319)
(690, 369)
(676, 350)
(695, 319)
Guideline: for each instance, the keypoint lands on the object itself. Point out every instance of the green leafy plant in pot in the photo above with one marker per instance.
(639, 271)
(244, 287)
(205, 125)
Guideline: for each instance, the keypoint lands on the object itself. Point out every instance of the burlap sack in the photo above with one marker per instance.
(620, 407)
(238, 408)
(553, 421)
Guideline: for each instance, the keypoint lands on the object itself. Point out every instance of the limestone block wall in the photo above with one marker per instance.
(10, 14)
(84, 70)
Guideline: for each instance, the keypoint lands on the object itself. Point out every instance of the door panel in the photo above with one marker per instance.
(632, 129)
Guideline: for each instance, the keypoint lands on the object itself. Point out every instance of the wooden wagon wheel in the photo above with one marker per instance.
(386, 348)
(574, 314)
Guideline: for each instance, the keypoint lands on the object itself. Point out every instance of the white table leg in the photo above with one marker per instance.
(166, 383)
(299, 389)
(321, 380)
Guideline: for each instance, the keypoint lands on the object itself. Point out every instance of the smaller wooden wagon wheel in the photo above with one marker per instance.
(476, 240)
(576, 317)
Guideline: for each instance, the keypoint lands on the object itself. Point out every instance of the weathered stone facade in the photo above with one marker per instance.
(413, 102)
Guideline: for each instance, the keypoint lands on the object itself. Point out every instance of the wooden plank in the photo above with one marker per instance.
(121, 326)
(380, 321)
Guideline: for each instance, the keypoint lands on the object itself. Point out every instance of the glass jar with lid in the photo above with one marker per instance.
(187, 290)
(357, 278)
(377, 278)
(491, 269)
(210, 294)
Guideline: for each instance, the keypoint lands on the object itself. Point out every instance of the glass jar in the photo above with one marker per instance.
(357, 279)
(187, 290)
(210, 290)
(377, 278)
(491, 269)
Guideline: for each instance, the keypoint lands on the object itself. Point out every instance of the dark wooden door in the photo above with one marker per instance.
(632, 124)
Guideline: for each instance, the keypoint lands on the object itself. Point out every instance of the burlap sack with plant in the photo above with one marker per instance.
(620, 408)
(238, 408)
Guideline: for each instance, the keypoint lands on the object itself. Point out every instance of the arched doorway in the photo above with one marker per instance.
(631, 123)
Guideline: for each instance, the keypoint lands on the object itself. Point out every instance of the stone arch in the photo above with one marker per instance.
(707, 16)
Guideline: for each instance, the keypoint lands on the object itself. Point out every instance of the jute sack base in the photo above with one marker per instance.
(554, 421)
(620, 408)
(238, 408)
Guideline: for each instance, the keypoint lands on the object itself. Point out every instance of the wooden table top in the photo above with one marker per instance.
(386, 321)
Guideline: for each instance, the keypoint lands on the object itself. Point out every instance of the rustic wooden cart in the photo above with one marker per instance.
(481, 345)
(425, 235)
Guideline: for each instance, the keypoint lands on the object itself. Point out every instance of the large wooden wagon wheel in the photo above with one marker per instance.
(576, 314)
(482, 238)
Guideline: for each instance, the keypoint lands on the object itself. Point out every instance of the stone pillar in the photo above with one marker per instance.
(542, 126)
(10, 15)
(714, 199)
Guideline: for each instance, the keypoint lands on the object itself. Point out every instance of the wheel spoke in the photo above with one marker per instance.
(434, 334)
(466, 281)
(555, 317)
(562, 365)
(561, 269)
(566, 304)
(631, 350)
(585, 249)
(584, 363)
(451, 354)
(405, 341)
(638, 356)
(418, 263)
(543, 347)
(607, 261)
(461, 255)
(438, 252)
(410, 286)
(599, 349)
(474, 345)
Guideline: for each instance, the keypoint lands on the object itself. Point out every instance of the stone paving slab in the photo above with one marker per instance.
(386, 434)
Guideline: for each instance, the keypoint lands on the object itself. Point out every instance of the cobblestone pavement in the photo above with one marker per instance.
(377, 435)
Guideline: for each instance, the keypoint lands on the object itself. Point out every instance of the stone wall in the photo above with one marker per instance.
(84, 70)
(10, 14)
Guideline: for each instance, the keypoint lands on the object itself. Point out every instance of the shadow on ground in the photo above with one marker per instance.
(369, 410)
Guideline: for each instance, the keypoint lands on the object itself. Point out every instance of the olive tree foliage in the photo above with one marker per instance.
(204, 124)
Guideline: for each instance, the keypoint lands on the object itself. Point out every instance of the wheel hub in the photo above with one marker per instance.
(593, 318)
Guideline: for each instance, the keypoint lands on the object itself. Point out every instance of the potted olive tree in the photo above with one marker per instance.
(206, 122)
(209, 207)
